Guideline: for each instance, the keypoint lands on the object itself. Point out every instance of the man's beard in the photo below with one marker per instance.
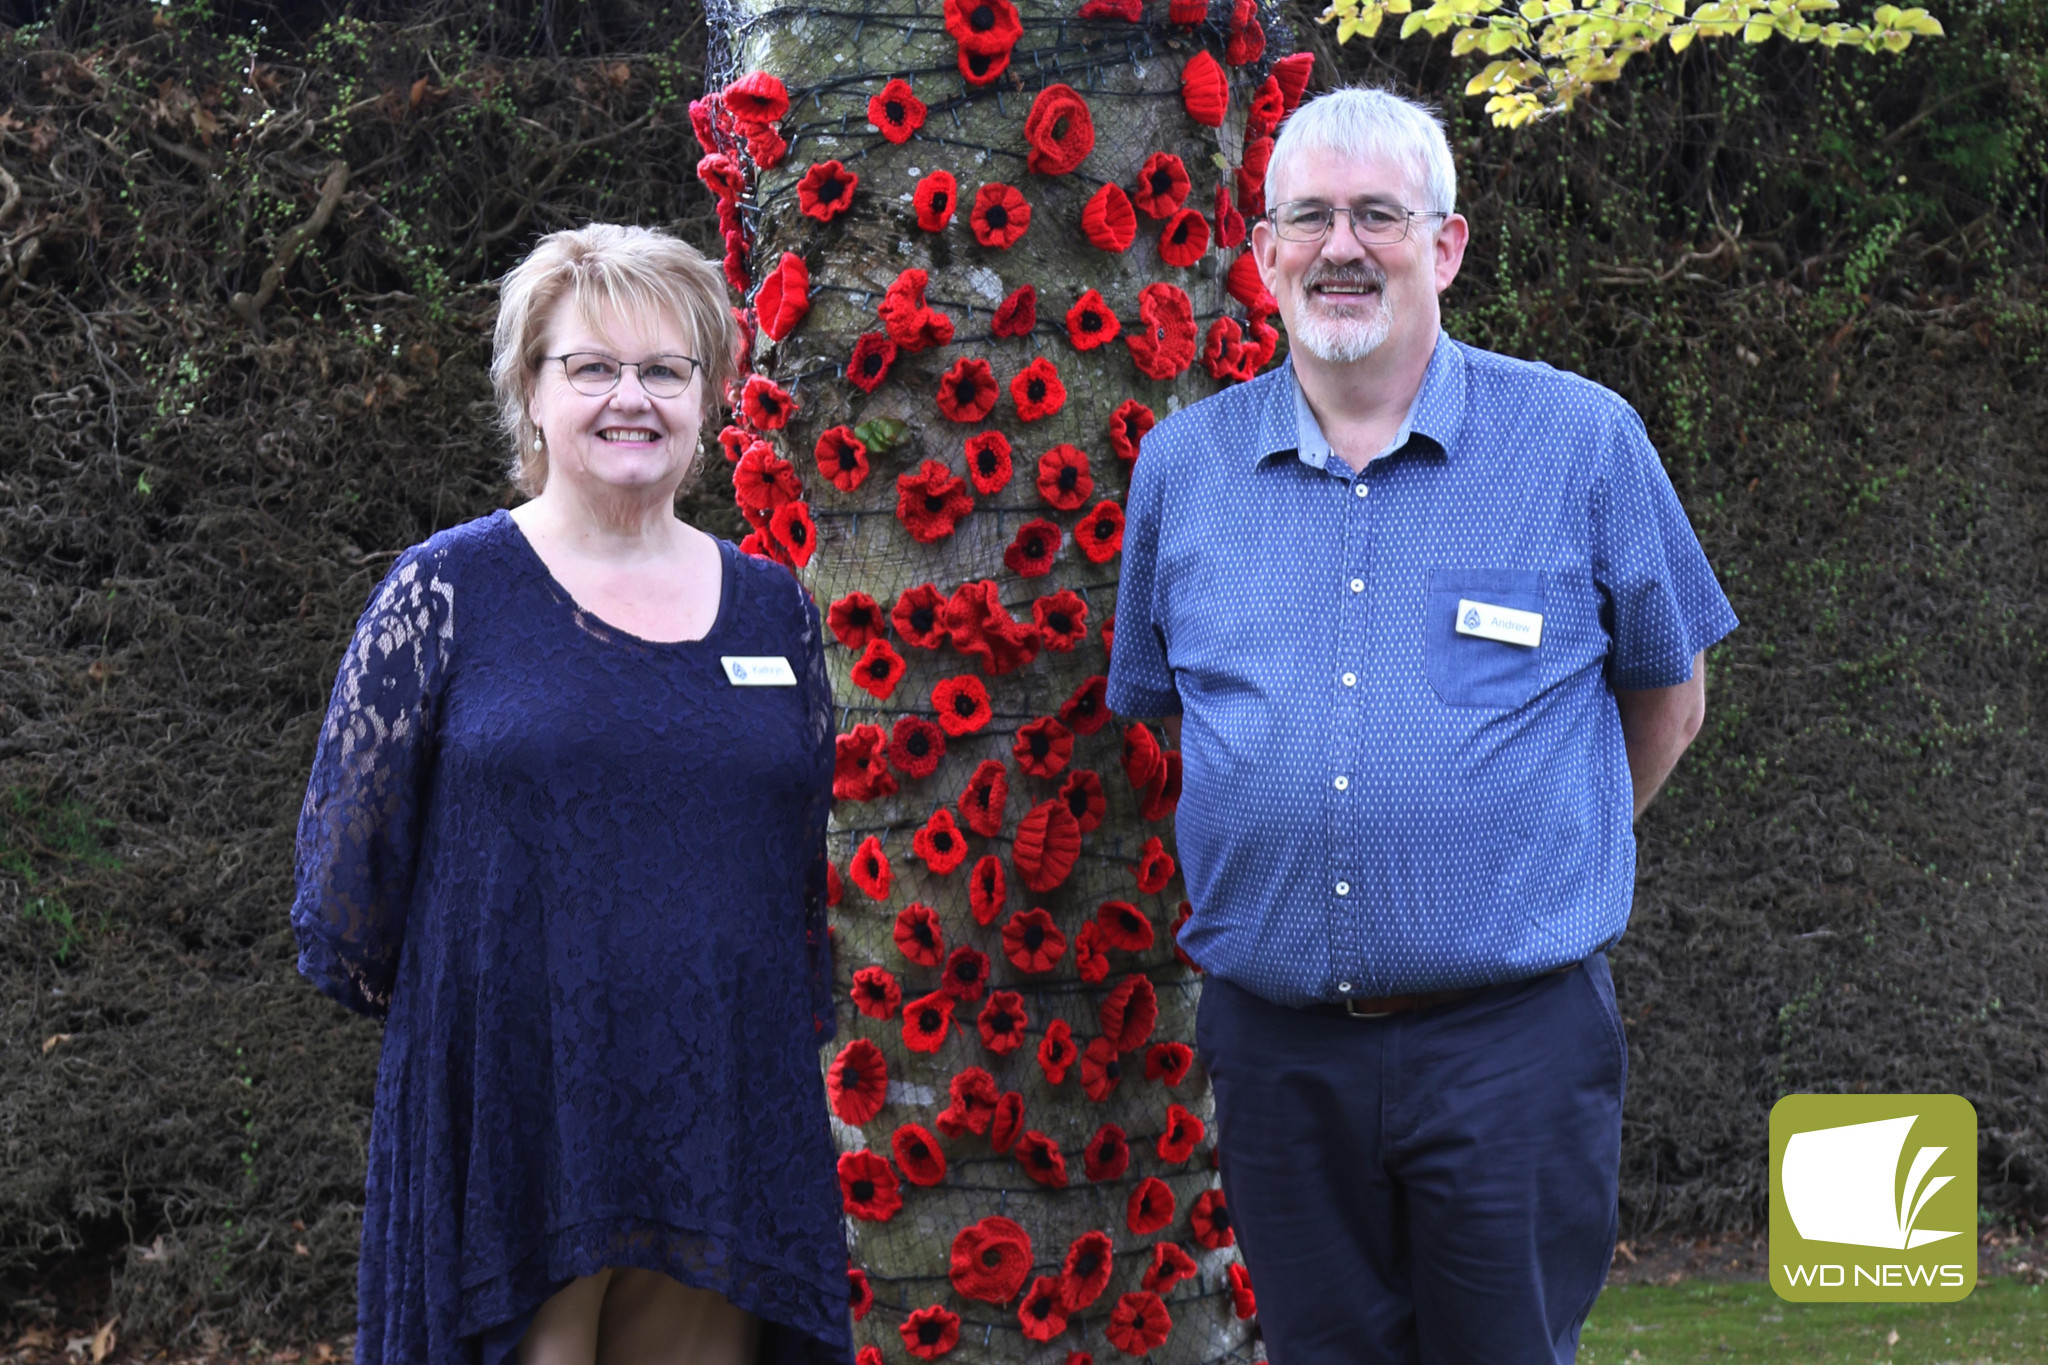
(1342, 340)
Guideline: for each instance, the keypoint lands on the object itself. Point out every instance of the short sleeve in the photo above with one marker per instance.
(1140, 681)
(817, 685)
(1664, 603)
(359, 828)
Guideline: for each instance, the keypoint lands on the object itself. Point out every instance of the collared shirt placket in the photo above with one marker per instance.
(1344, 833)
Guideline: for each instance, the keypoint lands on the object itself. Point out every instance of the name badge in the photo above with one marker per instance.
(1504, 624)
(758, 670)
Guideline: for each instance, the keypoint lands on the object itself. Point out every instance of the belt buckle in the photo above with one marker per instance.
(1351, 1008)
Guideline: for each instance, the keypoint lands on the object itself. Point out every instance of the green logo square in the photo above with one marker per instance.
(1873, 1198)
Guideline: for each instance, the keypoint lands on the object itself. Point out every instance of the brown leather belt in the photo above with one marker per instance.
(1379, 1007)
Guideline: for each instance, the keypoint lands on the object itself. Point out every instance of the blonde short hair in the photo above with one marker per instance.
(640, 272)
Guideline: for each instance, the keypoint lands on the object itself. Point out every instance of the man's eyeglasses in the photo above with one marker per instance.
(1304, 220)
(594, 373)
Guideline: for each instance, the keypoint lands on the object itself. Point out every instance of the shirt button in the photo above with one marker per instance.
(1359, 489)
(1358, 585)
(1343, 985)
(1343, 888)
(1343, 784)
(1351, 680)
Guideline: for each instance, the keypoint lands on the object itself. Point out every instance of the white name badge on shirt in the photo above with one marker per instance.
(1505, 624)
(758, 670)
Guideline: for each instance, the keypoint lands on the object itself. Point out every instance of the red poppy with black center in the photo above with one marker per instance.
(1162, 185)
(1042, 1314)
(1227, 221)
(826, 191)
(916, 746)
(1184, 239)
(1139, 1325)
(1008, 1122)
(842, 458)
(1165, 344)
(973, 1096)
(1223, 351)
(966, 974)
(722, 176)
(1040, 1157)
(860, 1295)
(983, 25)
(875, 993)
(1081, 794)
(1031, 551)
(1063, 477)
(983, 798)
(1150, 1206)
(1059, 130)
(1017, 314)
(1162, 793)
(961, 704)
(1210, 1219)
(1085, 1270)
(1268, 108)
(918, 617)
(857, 1082)
(999, 216)
(1155, 866)
(1168, 1063)
(868, 366)
(878, 669)
(794, 531)
(860, 766)
(1056, 1051)
(764, 481)
(919, 935)
(982, 68)
(1183, 1132)
(1087, 710)
(867, 1187)
(911, 323)
(1141, 754)
(756, 97)
(1037, 391)
(1170, 1265)
(1100, 1069)
(1128, 1013)
(931, 502)
(1127, 427)
(1002, 1023)
(987, 889)
(918, 1154)
(1124, 927)
(934, 200)
(940, 843)
(968, 391)
(1043, 746)
(1032, 942)
(896, 111)
(925, 1021)
(1062, 620)
(870, 869)
(1090, 323)
(990, 1260)
(1108, 221)
(1100, 534)
(1043, 850)
(1091, 959)
(1108, 1153)
(988, 462)
(1180, 920)
(767, 405)
(1243, 1301)
(978, 624)
(930, 1332)
(734, 442)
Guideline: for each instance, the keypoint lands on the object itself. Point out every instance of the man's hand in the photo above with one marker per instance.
(1657, 725)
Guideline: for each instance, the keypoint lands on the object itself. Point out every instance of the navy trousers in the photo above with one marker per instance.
(1431, 1188)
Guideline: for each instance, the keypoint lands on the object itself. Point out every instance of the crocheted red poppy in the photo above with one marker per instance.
(1042, 1314)
(1047, 842)
(1091, 960)
(1101, 1071)
(1056, 1051)
(1243, 282)
(983, 798)
(761, 545)
(990, 1260)
(1100, 534)
(765, 147)
(1141, 754)
(842, 458)
(983, 26)
(919, 936)
(1204, 90)
(918, 1154)
(1087, 710)
(707, 118)
(1063, 477)
(767, 405)
(869, 1355)
(1228, 222)
(860, 770)
(925, 1021)
(722, 176)
(795, 532)
(857, 1082)
(999, 217)
(1059, 130)
(867, 1187)
(934, 200)
(764, 481)
(1017, 314)
(1031, 552)
(756, 97)
(968, 391)
(1224, 353)
(961, 704)
(1187, 13)
(1165, 344)
(911, 323)
(870, 869)
(973, 1094)
(1108, 221)
(1210, 1219)
(878, 669)
(1268, 108)
(1107, 1155)
(1168, 1062)
(1127, 427)
(1004, 1128)
(988, 461)
(930, 1332)
(1170, 1265)
(1124, 926)
(896, 111)
(1032, 942)
(1040, 1157)
(1085, 1270)
(1183, 1132)
(1264, 341)
(734, 442)
(1062, 619)
(826, 190)
(1037, 391)
(730, 220)
(1128, 1013)
(1243, 1301)
(918, 617)
(835, 885)
(982, 68)
(916, 746)
(860, 1295)
(977, 623)
(875, 993)
(987, 889)
(1139, 1324)
(1162, 794)
(1090, 323)
(868, 366)
(1292, 72)
(785, 297)
(1082, 795)
(1002, 1023)
(940, 843)
(1043, 746)
(1246, 43)
(966, 974)
(736, 262)
(1150, 1206)
(1155, 866)
(1162, 185)
(1180, 920)
(1184, 239)
(931, 502)
(1250, 176)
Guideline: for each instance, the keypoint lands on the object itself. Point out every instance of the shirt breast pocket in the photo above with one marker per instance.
(1469, 670)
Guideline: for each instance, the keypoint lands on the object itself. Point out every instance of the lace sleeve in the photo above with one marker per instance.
(818, 694)
(359, 828)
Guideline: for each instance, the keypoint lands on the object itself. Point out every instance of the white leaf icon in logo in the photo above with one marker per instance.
(1471, 618)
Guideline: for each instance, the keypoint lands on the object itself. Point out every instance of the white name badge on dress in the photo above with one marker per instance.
(1500, 623)
(758, 670)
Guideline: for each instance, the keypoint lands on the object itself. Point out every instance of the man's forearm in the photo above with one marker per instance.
(1657, 725)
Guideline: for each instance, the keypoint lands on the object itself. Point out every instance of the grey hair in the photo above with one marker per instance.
(1371, 124)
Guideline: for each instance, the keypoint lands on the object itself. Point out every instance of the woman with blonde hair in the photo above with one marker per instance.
(565, 834)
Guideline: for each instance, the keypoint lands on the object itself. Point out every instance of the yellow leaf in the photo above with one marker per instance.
(1497, 41)
(1885, 15)
(1896, 42)
(1412, 23)
(1533, 10)
(1682, 39)
(1467, 39)
(1399, 6)
(1757, 31)
(1920, 21)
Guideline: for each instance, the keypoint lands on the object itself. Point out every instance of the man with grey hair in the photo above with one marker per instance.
(1431, 626)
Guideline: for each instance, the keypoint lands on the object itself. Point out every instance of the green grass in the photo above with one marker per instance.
(2004, 1322)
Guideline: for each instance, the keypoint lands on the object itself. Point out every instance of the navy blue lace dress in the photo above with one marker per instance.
(581, 876)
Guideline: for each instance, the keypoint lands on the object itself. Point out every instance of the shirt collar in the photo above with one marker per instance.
(1288, 425)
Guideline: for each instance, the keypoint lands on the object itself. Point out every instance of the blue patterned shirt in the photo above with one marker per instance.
(1376, 800)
